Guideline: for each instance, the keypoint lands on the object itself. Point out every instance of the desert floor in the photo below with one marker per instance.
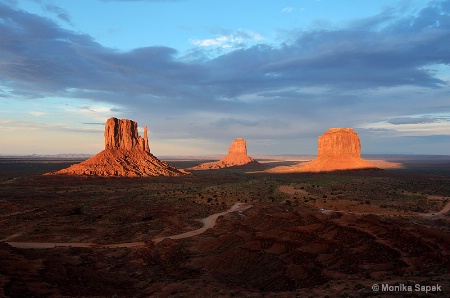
(291, 235)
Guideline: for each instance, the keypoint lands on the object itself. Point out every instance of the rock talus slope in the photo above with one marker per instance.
(125, 154)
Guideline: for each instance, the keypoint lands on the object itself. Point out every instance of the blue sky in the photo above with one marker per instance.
(200, 73)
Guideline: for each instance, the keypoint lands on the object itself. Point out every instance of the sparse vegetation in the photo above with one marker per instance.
(283, 244)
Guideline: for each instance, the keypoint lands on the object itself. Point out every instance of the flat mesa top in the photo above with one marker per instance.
(343, 129)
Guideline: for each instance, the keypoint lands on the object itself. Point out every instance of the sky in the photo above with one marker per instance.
(200, 73)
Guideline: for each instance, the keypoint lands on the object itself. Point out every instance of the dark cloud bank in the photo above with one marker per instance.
(320, 78)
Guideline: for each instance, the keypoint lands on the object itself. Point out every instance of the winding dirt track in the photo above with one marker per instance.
(445, 210)
(208, 222)
(437, 214)
(292, 190)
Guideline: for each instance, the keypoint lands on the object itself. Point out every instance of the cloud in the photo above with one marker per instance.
(51, 59)
(93, 123)
(417, 120)
(374, 69)
(11, 2)
(229, 41)
(218, 41)
(38, 113)
(58, 11)
(425, 125)
(287, 9)
(31, 126)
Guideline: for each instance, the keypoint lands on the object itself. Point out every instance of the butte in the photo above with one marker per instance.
(236, 157)
(338, 149)
(125, 154)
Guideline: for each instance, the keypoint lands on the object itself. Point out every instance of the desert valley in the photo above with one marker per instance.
(123, 223)
(284, 148)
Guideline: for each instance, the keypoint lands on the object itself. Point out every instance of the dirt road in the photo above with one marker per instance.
(289, 189)
(445, 210)
(208, 222)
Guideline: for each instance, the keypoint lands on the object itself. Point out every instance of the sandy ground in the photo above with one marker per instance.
(383, 164)
(298, 167)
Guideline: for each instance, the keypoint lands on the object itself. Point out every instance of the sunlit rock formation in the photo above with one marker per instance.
(125, 154)
(237, 156)
(123, 134)
(338, 149)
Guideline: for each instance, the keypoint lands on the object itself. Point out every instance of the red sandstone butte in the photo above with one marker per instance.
(123, 134)
(125, 154)
(338, 149)
(237, 156)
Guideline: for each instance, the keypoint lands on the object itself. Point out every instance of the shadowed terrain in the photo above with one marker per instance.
(305, 234)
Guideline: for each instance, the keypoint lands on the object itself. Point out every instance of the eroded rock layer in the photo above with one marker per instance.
(123, 134)
(125, 154)
(339, 142)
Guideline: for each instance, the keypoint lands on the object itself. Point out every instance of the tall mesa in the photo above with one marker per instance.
(338, 149)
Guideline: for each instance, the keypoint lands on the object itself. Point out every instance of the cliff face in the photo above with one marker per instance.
(238, 147)
(126, 154)
(338, 149)
(123, 134)
(237, 156)
(343, 142)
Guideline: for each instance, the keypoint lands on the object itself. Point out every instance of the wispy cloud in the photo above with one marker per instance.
(223, 41)
(229, 41)
(418, 120)
(417, 125)
(10, 124)
(38, 113)
(93, 123)
(287, 9)
(58, 11)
